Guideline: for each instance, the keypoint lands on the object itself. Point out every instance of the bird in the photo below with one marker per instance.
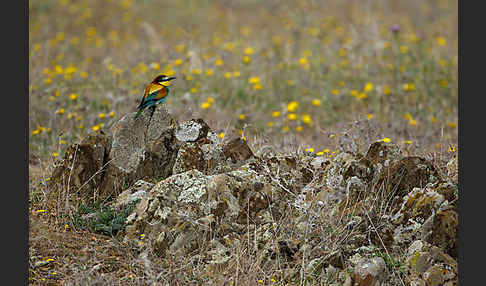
(155, 92)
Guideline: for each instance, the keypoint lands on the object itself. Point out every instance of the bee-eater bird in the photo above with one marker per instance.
(155, 92)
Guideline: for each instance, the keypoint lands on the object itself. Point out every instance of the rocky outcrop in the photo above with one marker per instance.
(346, 219)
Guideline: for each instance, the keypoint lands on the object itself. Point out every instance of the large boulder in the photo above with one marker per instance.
(81, 171)
(142, 148)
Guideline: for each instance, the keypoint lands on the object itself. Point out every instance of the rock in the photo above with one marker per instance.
(143, 147)
(237, 150)
(429, 265)
(192, 130)
(207, 153)
(419, 205)
(139, 190)
(83, 167)
(182, 210)
(400, 177)
(381, 154)
(452, 170)
(441, 229)
(369, 272)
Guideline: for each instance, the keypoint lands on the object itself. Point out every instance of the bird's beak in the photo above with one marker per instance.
(171, 78)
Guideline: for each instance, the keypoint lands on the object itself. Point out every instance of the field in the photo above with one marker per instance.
(320, 77)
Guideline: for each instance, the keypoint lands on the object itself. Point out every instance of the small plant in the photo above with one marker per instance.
(103, 218)
(390, 261)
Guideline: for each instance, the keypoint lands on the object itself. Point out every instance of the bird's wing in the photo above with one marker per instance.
(151, 88)
(150, 91)
(161, 93)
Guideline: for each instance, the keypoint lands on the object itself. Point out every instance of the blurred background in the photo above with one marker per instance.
(304, 76)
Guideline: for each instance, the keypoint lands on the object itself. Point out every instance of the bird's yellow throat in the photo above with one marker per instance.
(165, 83)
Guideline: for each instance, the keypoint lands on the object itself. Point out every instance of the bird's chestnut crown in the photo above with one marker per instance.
(162, 78)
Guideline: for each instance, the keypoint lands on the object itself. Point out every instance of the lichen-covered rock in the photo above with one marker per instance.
(83, 167)
(382, 154)
(441, 229)
(429, 265)
(453, 170)
(183, 210)
(192, 130)
(369, 272)
(208, 154)
(400, 177)
(137, 191)
(143, 147)
(419, 205)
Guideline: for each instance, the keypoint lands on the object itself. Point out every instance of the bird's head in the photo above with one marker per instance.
(163, 80)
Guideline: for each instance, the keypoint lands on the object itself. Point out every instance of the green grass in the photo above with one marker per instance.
(105, 221)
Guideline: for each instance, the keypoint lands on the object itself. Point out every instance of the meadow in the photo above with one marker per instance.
(320, 77)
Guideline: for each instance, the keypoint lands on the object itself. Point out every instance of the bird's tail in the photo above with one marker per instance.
(138, 113)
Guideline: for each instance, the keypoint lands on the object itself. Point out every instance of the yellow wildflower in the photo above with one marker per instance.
(409, 87)
(276, 114)
(316, 102)
(307, 119)
(205, 105)
(221, 135)
(270, 123)
(441, 41)
(241, 116)
(386, 90)
(292, 106)
(254, 80)
(246, 59)
(368, 87)
(249, 51)
(219, 62)
(292, 116)
(386, 140)
(209, 72)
